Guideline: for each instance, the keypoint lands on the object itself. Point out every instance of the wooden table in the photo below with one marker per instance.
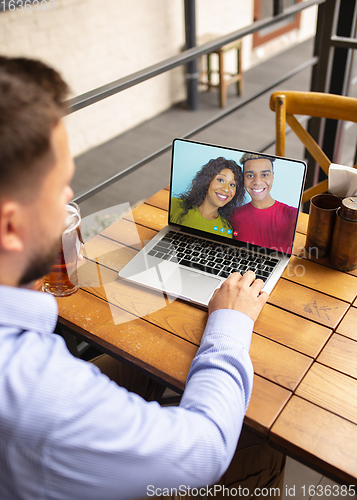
(304, 346)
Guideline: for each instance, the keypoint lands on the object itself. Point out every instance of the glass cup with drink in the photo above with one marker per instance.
(63, 278)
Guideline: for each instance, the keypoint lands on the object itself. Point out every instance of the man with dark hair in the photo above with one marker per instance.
(264, 221)
(35, 168)
(66, 429)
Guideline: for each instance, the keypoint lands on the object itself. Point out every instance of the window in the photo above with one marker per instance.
(264, 8)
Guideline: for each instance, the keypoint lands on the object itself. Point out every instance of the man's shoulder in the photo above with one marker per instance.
(283, 207)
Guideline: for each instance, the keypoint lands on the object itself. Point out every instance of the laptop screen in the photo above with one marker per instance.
(239, 195)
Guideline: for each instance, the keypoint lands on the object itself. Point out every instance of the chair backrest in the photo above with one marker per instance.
(286, 104)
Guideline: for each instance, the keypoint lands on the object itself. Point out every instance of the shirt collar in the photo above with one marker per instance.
(27, 309)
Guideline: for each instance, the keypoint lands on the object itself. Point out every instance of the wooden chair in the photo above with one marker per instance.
(286, 104)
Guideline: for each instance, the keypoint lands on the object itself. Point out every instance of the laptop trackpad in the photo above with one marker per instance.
(187, 284)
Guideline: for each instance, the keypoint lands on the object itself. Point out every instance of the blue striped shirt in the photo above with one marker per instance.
(68, 432)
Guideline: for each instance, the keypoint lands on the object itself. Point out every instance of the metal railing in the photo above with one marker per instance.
(106, 183)
(100, 93)
(184, 57)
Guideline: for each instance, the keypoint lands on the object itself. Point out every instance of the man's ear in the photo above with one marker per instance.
(10, 227)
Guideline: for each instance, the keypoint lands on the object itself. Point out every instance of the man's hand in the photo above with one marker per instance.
(242, 293)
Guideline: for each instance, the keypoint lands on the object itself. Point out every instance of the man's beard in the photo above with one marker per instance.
(40, 264)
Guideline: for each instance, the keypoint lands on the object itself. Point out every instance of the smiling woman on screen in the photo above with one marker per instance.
(215, 192)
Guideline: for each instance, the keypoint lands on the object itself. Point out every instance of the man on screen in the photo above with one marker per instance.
(264, 221)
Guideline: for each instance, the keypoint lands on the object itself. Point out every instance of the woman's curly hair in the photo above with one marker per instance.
(196, 193)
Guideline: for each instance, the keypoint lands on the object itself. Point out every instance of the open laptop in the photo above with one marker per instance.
(205, 241)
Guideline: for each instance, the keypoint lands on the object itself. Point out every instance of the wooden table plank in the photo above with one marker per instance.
(288, 368)
(340, 353)
(149, 216)
(265, 405)
(348, 326)
(303, 220)
(126, 232)
(108, 253)
(180, 318)
(331, 390)
(299, 244)
(160, 199)
(319, 438)
(292, 331)
(143, 303)
(308, 303)
(135, 340)
(307, 253)
(326, 280)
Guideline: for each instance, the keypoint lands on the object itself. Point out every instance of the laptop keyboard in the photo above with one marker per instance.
(211, 257)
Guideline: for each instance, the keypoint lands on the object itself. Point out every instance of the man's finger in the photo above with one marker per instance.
(249, 277)
(233, 278)
(263, 296)
(258, 283)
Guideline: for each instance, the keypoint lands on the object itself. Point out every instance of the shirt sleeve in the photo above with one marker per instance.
(97, 440)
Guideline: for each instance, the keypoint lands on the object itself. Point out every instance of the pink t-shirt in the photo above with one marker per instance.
(271, 227)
